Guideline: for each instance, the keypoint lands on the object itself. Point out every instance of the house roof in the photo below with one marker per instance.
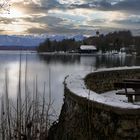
(88, 47)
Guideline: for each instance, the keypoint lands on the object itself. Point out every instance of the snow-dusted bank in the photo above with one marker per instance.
(76, 84)
(89, 113)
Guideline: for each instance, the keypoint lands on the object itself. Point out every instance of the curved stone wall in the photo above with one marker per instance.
(84, 119)
(102, 81)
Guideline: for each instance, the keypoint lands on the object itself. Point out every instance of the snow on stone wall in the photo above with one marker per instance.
(103, 80)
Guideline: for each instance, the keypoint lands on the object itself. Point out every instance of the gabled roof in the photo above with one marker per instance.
(88, 47)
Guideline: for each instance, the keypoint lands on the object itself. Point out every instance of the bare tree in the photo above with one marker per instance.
(5, 6)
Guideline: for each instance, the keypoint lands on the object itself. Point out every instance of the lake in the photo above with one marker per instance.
(52, 69)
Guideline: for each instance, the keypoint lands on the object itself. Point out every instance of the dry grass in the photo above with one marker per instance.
(31, 117)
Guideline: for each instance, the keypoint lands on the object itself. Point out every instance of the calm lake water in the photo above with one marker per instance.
(55, 66)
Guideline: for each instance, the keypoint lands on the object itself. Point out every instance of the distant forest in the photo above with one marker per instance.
(111, 41)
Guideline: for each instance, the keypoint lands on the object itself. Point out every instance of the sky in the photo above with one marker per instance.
(71, 17)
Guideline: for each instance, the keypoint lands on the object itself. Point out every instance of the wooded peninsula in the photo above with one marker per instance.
(116, 40)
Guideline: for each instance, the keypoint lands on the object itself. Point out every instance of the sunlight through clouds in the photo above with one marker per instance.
(13, 28)
(14, 13)
(31, 16)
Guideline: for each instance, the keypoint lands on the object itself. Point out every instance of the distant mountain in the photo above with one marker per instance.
(61, 37)
(22, 41)
(30, 41)
(78, 37)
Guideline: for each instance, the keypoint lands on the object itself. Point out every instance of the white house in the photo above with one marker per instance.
(88, 49)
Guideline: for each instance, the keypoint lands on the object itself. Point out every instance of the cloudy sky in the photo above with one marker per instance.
(69, 16)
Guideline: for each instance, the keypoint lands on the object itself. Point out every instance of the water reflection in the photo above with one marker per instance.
(116, 61)
(60, 58)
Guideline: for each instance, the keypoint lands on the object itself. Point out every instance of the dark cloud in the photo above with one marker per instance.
(97, 22)
(51, 4)
(126, 5)
(60, 29)
(104, 5)
(6, 20)
(35, 30)
(48, 20)
(132, 5)
(128, 21)
(2, 31)
(48, 24)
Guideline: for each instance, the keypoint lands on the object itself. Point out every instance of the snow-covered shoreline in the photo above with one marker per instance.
(75, 83)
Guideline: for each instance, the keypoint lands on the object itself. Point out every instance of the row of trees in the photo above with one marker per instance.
(64, 45)
(111, 41)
